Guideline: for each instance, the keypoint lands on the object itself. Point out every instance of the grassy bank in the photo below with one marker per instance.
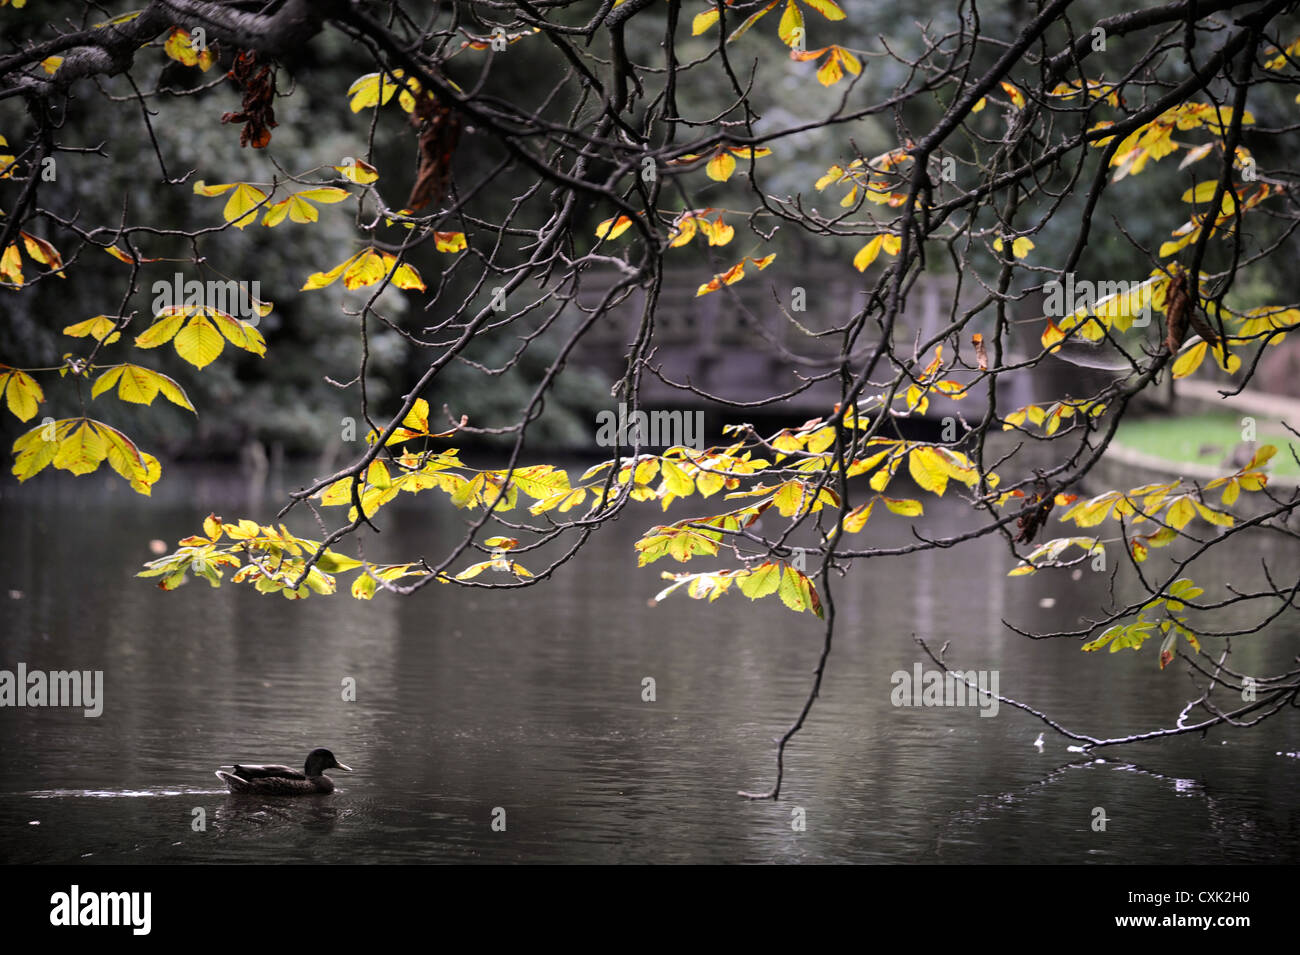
(1205, 439)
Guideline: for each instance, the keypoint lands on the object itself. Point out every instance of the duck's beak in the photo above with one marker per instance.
(346, 769)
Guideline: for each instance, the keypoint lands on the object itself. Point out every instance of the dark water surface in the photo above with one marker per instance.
(530, 700)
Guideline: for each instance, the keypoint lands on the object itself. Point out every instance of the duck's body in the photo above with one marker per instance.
(276, 780)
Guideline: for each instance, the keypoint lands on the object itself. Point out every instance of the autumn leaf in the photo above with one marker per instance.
(1019, 247)
(359, 171)
(613, 228)
(140, 385)
(21, 392)
(101, 328)
(239, 209)
(721, 166)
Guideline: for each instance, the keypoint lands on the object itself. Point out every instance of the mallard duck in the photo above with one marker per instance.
(283, 780)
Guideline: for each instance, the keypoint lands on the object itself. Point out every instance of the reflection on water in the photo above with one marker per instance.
(529, 701)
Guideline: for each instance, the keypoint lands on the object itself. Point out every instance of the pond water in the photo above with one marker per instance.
(531, 701)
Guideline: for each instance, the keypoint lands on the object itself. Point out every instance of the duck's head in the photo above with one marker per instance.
(319, 760)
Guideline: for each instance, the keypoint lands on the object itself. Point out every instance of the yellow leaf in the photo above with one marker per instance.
(406, 277)
(703, 21)
(101, 328)
(856, 519)
(903, 506)
(1181, 510)
(1019, 247)
(367, 269)
(21, 392)
(983, 101)
(455, 241)
(1052, 334)
(928, 469)
(1214, 517)
(829, 73)
(763, 580)
(832, 175)
(1017, 97)
(82, 451)
(720, 233)
(791, 20)
(373, 89)
(178, 47)
(609, 229)
(721, 166)
(827, 8)
(321, 279)
(199, 342)
(867, 254)
(239, 206)
(359, 171)
(203, 189)
(161, 331)
(1201, 192)
(1190, 360)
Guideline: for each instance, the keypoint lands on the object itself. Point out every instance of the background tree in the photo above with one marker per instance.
(443, 203)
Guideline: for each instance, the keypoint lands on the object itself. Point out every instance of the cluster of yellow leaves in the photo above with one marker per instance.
(80, 445)
(689, 222)
(1096, 89)
(298, 207)
(1237, 199)
(677, 473)
(1048, 554)
(1113, 311)
(722, 161)
(1279, 58)
(140, 385)
(199, 333)
(791, 20)
(276, 559)
(916, 398)
(869, 175)
(499, 561)
(794, 587)
(376, 89)
(733, 274)
(1180, 505)
(366, 268)
(181, 49)
(682, 229)
(11, 262)
(241, 208)
(886, 242)
(832, 68)
(1020, 247)
(101, 328)
(1154, 140)
(1051, 417)
(1132, 636)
